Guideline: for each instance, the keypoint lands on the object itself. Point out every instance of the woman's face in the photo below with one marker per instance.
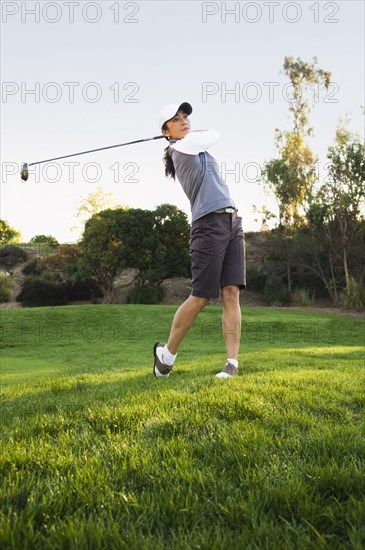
(178, 126)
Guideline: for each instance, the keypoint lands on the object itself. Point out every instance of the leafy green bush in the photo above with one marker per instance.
(82, 290)
(49, 275)
(6, 284)
(302, 297)
(353, 296)
(12, 255)
(275, 292)
(145, 295)
(32, 267)
(256, 279)
(40, 292)
(38, 268)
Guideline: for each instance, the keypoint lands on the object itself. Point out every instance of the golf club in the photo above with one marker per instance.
(25, 166)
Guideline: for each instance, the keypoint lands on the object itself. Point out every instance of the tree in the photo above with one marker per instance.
(139, 243)
(102, 251)
(156, 243)
(346, 189)
(174, 236)
(44, 239)
(91, 204)
(303, 77)
(336, 209)
(292, 175)
(8, 234)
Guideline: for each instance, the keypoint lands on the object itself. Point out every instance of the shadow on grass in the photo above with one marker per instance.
(82, 392)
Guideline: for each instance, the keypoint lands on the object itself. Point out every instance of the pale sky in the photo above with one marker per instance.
(79, 75)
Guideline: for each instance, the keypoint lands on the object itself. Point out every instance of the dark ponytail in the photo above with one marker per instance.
(167, 159)
(169, 165)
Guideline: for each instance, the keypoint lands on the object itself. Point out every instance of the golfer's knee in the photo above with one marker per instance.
(199, 301)
(231, 294)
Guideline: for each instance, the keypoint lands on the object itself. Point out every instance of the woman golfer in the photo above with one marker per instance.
(217, 239)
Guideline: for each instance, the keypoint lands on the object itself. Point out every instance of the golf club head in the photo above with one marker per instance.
(25, 173)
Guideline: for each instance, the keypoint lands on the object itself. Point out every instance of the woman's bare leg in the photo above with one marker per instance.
(183, 319)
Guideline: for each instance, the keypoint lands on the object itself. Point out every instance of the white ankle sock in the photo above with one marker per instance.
(167, 357)
(233, 362)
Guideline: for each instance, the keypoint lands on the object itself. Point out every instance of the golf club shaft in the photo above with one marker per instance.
(94, 150)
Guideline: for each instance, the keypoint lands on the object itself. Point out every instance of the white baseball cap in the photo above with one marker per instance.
(170, 111)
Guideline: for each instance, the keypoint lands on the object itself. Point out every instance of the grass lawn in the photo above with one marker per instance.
(98, 454)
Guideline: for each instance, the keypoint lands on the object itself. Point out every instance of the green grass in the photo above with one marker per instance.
(97, 454)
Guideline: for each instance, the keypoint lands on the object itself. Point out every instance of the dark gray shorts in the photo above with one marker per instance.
(217, 251)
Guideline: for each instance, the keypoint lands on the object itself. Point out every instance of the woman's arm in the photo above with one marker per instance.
(196, 141)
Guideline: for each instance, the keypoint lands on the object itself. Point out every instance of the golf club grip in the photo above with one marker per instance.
(95, 150)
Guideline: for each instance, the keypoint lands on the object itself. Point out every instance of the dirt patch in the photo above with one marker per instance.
(10, 305)
(176, 290)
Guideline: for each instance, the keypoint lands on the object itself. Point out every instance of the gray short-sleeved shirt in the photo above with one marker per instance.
(198, 173)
